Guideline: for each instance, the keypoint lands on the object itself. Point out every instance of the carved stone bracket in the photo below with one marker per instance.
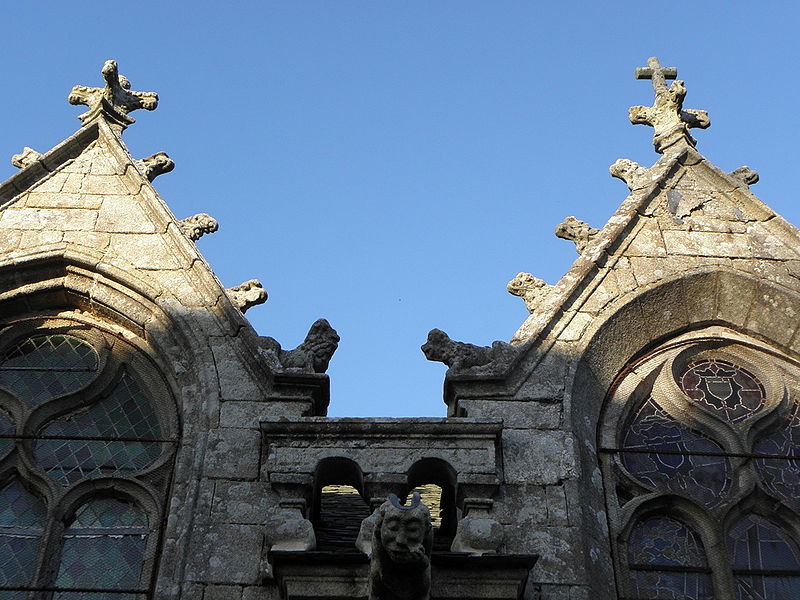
(628, 171)
(667, 116)
(198, 225)
(746, 175)
(312, 356)
(155, 165)
(247, 295)
(27, 157)
(461, 357)
(577, 231)
(288, 529)
(531, 289)
(478, 533)
(114, 101)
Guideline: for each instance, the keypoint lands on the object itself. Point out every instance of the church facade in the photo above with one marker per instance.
(638, 438)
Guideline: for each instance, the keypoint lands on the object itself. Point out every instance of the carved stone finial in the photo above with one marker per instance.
(114, 101)
(531, 289)
(666, 116)
(628, 171)
(459, 357)
(402, 541)
(27, 157)
(577, 231)
(155, 165)
(312, 356)
(746, 174)
(247, 295)
(198, 225)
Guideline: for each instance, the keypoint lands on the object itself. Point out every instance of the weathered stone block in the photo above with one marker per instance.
(233, 454)
(242, 501)
(228, 554)
(516, 415)
(539, 456)
(223, 592)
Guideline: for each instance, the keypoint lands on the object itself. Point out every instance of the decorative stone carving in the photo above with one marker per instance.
(247, 295)
(155, 165)
(577, 231)
(480, 360)
(667, 116)
(746, 174)
(312, 356)
(114, 101)
(198, 225)
(402, 540)
(288, 530)
(27, 157)
(478, 533)
(628, 171)
(531, 289)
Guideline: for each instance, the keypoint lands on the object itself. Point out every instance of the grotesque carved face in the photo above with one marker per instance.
(403, 534)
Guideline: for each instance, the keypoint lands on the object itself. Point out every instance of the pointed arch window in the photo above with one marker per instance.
(89, 422)
(698, 440)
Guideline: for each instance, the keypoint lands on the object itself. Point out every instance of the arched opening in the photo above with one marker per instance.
(435, 480)
(338, 506)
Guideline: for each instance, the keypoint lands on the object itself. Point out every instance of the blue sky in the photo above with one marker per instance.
(391, 165)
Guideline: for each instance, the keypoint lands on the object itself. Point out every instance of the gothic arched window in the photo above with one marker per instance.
(87, 438)
(700, 448)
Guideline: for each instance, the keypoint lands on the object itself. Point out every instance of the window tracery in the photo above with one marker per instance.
(87, 438)
(699, 440)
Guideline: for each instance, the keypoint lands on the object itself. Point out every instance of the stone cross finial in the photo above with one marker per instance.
(666, 116)
(114, 101)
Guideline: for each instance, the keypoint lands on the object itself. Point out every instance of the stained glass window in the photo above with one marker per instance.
(125, 426)
(103, 548)
(112, 433)
(6, 429)
(676, 463)
(765, 560)
(22, 520)
(666, 542)
(781, 476)
(45, 367)
(723, 388)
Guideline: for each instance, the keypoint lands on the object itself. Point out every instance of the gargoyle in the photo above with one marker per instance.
(402, 540)
(531, 289)
(628, 171)
(247, 295)
(312, 356)
(577, 231)
(460, 357)
(198, 225)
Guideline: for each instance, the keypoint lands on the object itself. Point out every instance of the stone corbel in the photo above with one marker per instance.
(155, 165)
(531, 289)
(576, 231)
(288, 528)
(478, 532)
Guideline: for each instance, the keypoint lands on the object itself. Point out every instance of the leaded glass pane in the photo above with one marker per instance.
(22, 519)
(675, 464)
(666, 542)
(782, 476)
(6, 429)
(45, 367)
(726, 390)
(757, 545)
(670, 585)
(103, 547)
(126, 413)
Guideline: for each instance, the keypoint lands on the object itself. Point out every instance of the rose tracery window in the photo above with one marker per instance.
(698, 441)
(87, 437)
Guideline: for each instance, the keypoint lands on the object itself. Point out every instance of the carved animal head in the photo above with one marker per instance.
(439, 347)
(322, 341)
(404, 533)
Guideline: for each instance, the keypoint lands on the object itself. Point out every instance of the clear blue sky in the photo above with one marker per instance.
(391, 165)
